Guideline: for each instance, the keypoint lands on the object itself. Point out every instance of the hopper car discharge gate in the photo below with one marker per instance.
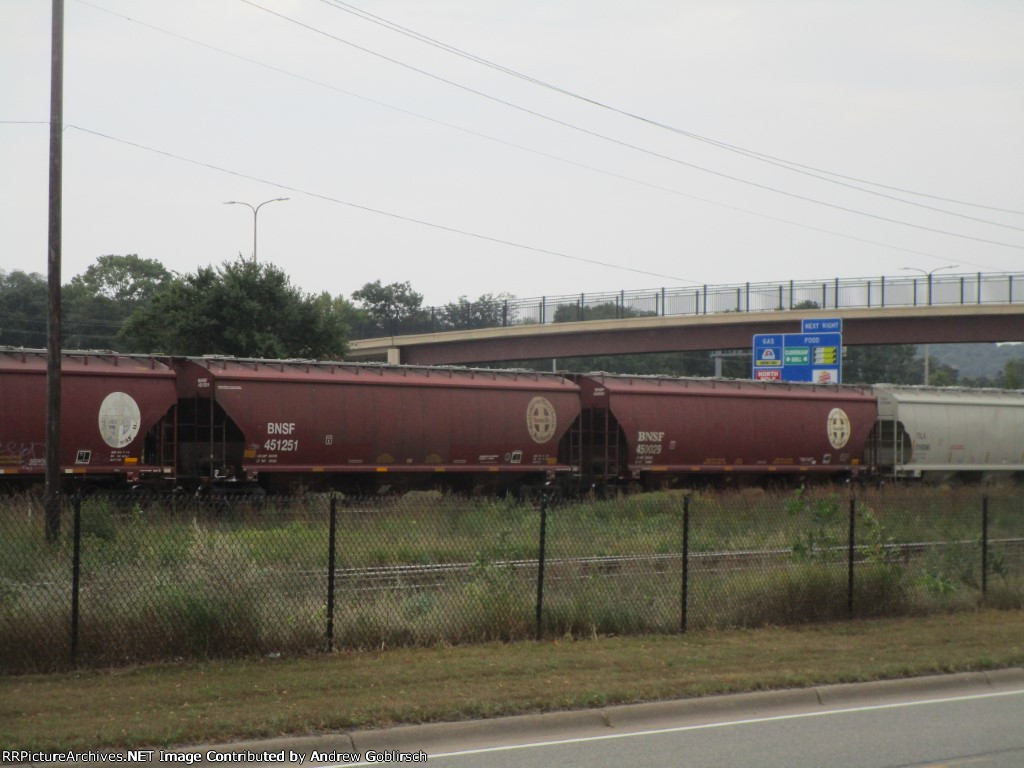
(209, 445)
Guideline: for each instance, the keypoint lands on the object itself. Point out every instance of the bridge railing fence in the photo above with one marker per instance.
(829, 294)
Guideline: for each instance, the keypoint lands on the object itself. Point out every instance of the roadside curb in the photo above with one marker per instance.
(435, 738)
(438, 737)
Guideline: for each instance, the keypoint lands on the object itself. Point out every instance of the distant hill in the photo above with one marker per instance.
(975, 360)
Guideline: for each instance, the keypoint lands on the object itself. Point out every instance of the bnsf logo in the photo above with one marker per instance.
(280, 428)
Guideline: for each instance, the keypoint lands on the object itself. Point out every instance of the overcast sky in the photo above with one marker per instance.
(394, 174)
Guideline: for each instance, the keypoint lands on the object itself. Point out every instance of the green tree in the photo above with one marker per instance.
(942, 375)
(893, 364)
(23, 308)
(242, 308)
(609, 310)
(1013, 374)
(391, 309)
(99, 301)
(486, 312)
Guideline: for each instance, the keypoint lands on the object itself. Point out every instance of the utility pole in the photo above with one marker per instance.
(929, 274)
(52, 500)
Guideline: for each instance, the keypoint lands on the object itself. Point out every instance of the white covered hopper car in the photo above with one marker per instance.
(938, 434)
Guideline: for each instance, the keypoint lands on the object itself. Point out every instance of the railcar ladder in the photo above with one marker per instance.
(168, 456)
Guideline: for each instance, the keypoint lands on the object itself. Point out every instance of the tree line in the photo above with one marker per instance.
(240, 308)
(248, 309)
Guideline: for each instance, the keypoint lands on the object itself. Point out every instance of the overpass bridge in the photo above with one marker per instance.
(902, 310)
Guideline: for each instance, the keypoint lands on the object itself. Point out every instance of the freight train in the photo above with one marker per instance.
(254, 426)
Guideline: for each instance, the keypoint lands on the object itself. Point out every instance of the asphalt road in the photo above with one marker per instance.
(965, 731)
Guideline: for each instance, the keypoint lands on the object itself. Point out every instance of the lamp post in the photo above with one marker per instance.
(255, 210)
(928, 274)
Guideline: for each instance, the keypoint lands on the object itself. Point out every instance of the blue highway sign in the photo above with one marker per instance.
(822, 325)
(813, 357)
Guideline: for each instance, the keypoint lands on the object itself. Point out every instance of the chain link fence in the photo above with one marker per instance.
(132, 580)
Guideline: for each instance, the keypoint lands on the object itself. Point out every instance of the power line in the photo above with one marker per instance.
(626, 144)
(521, 147)
(776, 161)
(487, 237)
(378, 211)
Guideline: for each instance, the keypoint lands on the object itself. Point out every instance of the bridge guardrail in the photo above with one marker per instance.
(836, 293)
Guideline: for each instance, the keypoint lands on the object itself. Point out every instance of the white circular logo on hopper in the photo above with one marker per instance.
(120, 419)
(838, 428)
(541, 419)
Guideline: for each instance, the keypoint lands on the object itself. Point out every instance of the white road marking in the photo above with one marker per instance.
(706, 726)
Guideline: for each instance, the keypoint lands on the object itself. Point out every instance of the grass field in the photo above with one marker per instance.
(217, 701)
(180, 580)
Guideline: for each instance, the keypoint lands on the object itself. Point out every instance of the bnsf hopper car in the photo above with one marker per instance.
(264, 425)
(657, 430)
(939, 433)
(285, 423)
(112, 418)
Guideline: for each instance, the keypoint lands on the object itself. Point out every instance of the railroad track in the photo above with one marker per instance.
(422, 576)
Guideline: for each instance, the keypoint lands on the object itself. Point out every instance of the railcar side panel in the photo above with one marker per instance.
(299, 418)
(113, 409)
(690, 426)
(942, 430)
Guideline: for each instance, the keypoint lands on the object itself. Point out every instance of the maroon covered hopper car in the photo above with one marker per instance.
(111, 411)
(282, 423)
(657, 429)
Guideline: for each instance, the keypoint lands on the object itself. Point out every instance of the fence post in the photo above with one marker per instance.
(984, 546)
(76, 573)
(685, 596)
(540, 563)
(852, 545)
(331, 563)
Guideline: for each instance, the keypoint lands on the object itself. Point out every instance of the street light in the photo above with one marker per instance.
(927, 353)
(254, 212)
(929, 276)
